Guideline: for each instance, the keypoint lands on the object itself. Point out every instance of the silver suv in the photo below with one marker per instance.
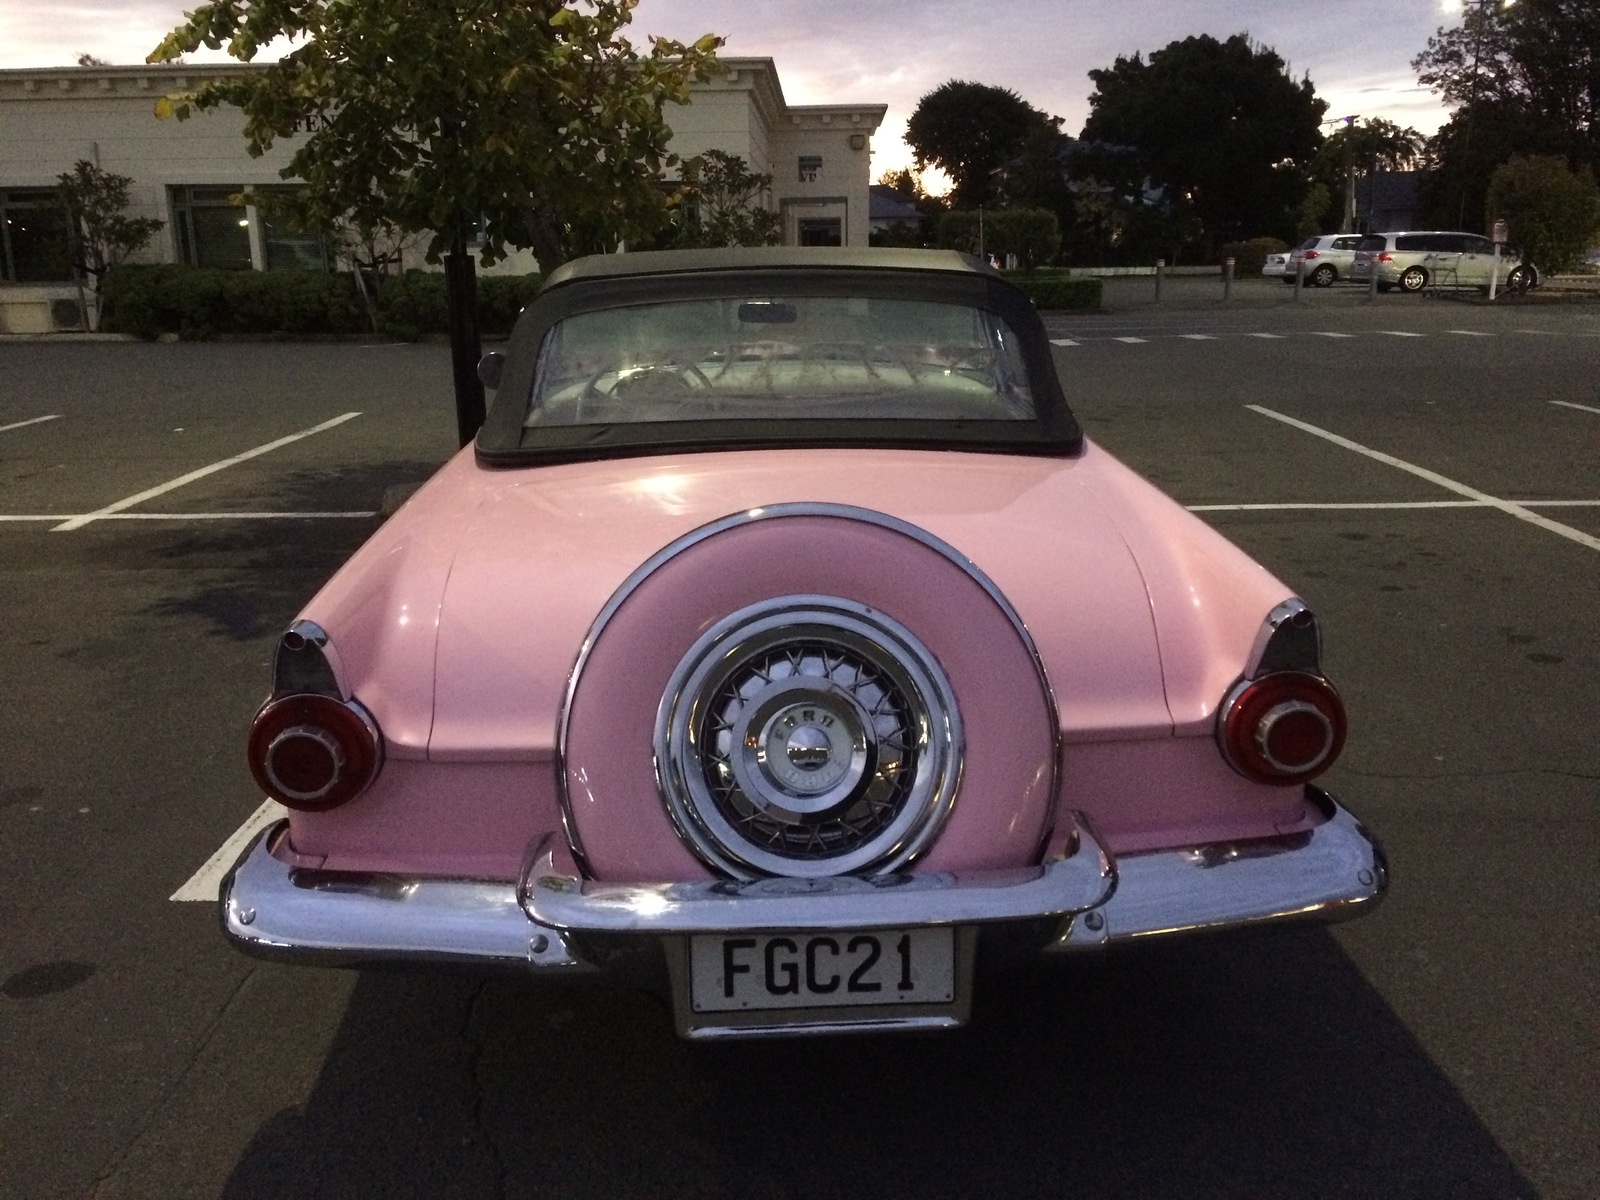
(1413, 261)
(1325, 259)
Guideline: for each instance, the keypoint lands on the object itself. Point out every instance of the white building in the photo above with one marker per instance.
(185, 172)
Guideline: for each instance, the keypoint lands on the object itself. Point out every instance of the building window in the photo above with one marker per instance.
(285, 244)
(810, 167)
(821, 231)
(212, 230)
(34, 245)
(221, 227)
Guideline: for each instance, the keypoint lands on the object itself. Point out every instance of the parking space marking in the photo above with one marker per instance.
(205, 883)
(1582, 407)
(1275, 336)
(1469, 333)
(1197, 337)
(1063, 342)
(29, 421)
(1521, 512)
(1398, 333)
(1331, 333)
(1131, 341)
(172, 484)
(198, 516)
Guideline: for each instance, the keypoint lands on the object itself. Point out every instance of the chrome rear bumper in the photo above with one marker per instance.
(555, 924)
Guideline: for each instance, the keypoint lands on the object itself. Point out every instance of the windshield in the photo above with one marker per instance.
(765, 357)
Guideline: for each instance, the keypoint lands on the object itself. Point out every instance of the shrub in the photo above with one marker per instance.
(198, 303)
(1251, 256)
(1554, 213)
(1057, 292)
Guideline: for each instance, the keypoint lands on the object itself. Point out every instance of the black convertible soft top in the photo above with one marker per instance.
(650, 278)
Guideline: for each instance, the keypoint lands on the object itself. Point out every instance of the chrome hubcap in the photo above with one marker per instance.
(807, 736)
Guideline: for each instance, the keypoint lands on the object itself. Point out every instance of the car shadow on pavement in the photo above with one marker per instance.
(252, 576)
(1246, 1065)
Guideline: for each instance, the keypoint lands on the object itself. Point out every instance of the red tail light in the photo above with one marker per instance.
(1286, 727)
(1385, 257)
(1311, 254)
(314, 752)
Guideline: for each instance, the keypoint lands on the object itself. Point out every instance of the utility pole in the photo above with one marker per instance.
(1348, 224)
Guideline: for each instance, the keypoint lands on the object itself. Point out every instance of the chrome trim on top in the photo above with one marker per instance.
(768, 512)
(1290, 639)
(303, 665)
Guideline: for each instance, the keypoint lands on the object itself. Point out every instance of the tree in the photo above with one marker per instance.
(1523, 79)
(1032, 234)
(101, 232)
(1541, 57)
(971, 131)
(1219, 126)
(1357, 150)
(722, 203)
(429, 114)
(91, 60)
(536, 119)
(1553, 212)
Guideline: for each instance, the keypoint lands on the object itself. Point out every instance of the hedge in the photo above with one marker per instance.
(1059, 292)
(1249, 257)
(197, 303)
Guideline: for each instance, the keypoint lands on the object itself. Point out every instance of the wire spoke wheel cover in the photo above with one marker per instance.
(807, 736)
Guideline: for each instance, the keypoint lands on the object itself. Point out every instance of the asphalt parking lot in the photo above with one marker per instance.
(1426, 473)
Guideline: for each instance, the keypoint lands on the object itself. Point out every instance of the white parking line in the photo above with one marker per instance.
(1132, 341)
(172, 484)
(1582, 407)
(1468, 333)
(1397, 333)
(29, 421)
(1385, 504)
(1063, 342)
(196, 516)
(1521, 512)
(1197, 337)
(1327, 333)
(1274, 336)
(205, 883)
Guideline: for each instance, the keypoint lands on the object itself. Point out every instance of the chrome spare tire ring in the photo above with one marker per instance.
(807, 736)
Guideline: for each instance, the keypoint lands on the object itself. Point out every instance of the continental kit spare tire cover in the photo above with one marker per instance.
(806, 690)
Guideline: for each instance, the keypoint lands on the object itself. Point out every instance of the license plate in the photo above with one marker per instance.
(734, 972)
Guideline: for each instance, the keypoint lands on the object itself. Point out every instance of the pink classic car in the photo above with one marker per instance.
(783, 645)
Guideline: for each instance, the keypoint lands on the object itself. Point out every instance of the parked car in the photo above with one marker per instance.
(1275, 265)
(1325, 259)
(1413, 261)
(782, 644)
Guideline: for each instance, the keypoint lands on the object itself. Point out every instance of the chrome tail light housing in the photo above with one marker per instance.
(1286, 727)
(1283, 722)
(312, 747)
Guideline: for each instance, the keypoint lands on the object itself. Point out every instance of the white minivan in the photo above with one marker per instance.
(1413, 261)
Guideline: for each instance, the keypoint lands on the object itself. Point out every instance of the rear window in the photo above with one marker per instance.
(1308, 244)
(1373, 242)
(1416, 241)
(766, 357)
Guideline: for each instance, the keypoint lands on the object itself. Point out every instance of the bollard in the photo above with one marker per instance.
(1300, 281)
(1161, 269)
(1227, 279)
(1372, 282)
